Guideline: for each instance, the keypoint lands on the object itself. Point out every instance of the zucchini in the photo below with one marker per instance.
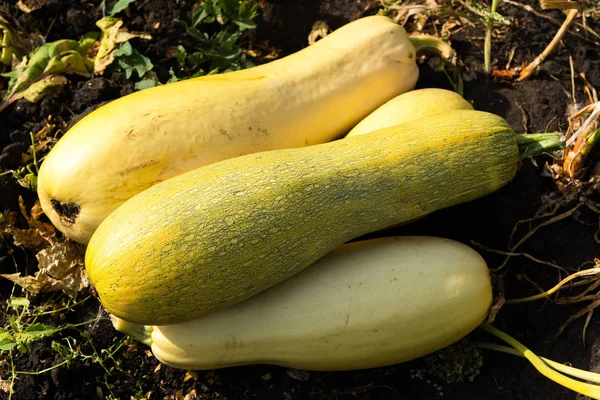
(219, 234)
(366, 304)
(410, 106)
(313, 96)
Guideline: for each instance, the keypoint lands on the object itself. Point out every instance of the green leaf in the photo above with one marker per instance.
(145, 84)
(59, 57)
(60, 348)
(7, 342)
(172, 79)
(130, 60)
(22, 348)
(7, 346)
(38, 331)
(16, 302)
(118, 7)
(181, 55)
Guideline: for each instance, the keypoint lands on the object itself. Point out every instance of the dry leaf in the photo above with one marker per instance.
(5, 385)
(51, 84)
(191, 395)
(39, 235)
(190, 375)
(419, 21)
(28, 6)
(112, 35)
(61, 267)
(320, 29)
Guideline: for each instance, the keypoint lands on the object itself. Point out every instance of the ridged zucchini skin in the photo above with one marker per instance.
(219, 234)
(313, 96)
(366, 304)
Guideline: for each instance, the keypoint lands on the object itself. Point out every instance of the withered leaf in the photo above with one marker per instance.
(61, 267)
(112, 35)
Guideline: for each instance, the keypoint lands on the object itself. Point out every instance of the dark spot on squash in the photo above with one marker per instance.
(224, 133)
(67, 212)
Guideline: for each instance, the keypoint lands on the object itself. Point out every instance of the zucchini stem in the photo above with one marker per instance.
(565, 369)
(141, 333)
(431, 45)
(534, 144)
(586, 389)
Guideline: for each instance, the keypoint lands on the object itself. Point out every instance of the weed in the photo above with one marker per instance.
(219, 51)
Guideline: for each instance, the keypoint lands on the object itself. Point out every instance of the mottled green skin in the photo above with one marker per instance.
(219, 234)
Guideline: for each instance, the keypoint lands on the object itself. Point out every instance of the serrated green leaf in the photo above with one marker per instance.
(37, 331)
(130, 60)
(7, 346)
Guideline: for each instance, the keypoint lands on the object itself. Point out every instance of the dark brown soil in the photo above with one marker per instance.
(538, 104)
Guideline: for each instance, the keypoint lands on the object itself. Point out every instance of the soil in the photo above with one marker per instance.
(539, 104)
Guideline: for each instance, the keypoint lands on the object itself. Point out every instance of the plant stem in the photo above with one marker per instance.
(565, 369)
(529, 69)
(141, 333)
(431, 45)
(533, 144)
(44, 370)
(586, 389)
(487, 45)
(557, 287)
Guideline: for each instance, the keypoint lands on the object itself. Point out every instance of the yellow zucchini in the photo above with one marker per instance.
(216, 235)
(410, 106)
(313, 96)
(366, 304)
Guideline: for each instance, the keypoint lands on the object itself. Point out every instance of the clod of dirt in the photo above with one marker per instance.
(11, 155)
(19, 136)
(93, 91)
(10, 193)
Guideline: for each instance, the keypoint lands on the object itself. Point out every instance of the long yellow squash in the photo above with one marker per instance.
(410, 106)
(310, 97)
(366, 304)
(219, 234)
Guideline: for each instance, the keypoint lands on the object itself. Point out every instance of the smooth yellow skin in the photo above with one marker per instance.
(410, 106)
(219, 234)
(366, 304)
(312, 96)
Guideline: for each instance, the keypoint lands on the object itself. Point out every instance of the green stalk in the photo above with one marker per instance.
(487, 45)
(141, 333)
(431, 45)
(583, 388)
(565, 369)
(556, 288)
(533, 144)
